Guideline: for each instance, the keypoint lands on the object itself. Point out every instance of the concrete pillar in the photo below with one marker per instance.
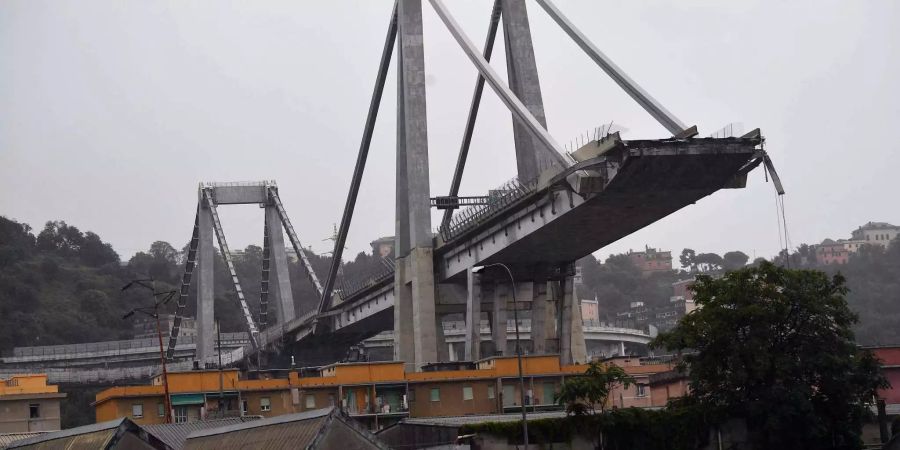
(443, 350)
(531, 156)
(279, 276)
(473, 316)
(542, 317)
(571, 339)
(403, 323)
(206, 331)
(498, 320)
(413, 224)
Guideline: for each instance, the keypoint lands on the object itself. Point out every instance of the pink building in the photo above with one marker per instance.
(831, 252)
(590, 310)
(651, 260)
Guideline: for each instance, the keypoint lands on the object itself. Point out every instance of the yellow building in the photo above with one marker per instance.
(377, 393)
(28, 403)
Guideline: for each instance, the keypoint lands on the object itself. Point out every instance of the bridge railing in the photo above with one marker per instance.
(497, 200)
(350, 287)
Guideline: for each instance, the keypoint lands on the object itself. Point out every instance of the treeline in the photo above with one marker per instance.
(873, 280)
(617, 281)
(63, 286)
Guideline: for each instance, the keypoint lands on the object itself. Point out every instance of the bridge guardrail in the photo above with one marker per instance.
(498, 200)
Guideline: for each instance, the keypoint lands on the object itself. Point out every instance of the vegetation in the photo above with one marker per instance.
(619, 429)
(775, 347)
(63, 286)
(584, 394)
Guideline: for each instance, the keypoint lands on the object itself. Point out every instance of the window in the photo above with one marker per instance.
(641, 390)
(265, 404)
(137, 410)
(490, 392)
(467, 393)
(310, 401)
(34, 410)
(435, 394)
(161, 409)
(180, 414)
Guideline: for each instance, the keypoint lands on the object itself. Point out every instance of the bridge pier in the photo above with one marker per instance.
(499, 319)
(473, 316)
(543, 318)
(279, 277)
(571, 337)
(416, 339)
(205, 320)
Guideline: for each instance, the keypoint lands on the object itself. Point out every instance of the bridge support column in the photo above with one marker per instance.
(498, 320)
(473, 316)
(531, 156)
(279, 276)
(415, 294)
(206, 331)
(543, 318)
(571, 339)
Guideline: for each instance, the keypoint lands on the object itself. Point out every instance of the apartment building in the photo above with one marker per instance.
(376, 394)
(28, 403)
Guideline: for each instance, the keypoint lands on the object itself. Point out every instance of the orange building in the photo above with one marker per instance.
(28, 403)
(376, 393)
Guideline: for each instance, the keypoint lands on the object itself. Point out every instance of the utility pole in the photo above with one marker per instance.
(159, 299)
(518, 347)
(221, 375)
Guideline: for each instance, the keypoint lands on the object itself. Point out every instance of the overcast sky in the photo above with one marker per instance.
(111, 112)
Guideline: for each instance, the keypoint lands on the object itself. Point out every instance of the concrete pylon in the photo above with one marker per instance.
(206, 330)
(531, 156)
(414, 286)
(498, 319)
(279, 276)
(543, 318)
(571, 337)
(473, 316)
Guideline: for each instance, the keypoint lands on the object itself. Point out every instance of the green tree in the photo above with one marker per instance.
(735, 260)
(774, 347)
(687, 259)
(582, 395)
(709, 262)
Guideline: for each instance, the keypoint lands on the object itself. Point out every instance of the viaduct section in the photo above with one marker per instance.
(560, 207)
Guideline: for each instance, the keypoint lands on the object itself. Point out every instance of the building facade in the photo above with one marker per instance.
(651, 260)
(375, 394)
(28, 403)
(877, 233)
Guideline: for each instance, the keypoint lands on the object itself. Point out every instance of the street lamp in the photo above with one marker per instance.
(159, 299)
(512, 281)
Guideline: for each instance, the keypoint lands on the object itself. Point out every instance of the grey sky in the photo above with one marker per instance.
(112, 112)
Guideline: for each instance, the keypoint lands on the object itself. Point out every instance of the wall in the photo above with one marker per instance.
(451, 398)
(280, 403)
(15, 415)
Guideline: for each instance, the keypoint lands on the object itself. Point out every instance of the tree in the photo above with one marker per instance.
(582, 395)
(687, 259)
(735, 260)
(774, 347)
(709, 262)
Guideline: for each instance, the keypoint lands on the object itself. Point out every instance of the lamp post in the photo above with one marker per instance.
(159, 299)
(512, 281)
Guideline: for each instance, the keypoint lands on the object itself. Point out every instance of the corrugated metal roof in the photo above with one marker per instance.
(286, 418)
(9, 438)
(458, 421)
(106, 428)
(296, 434)
(174, 434)
(88, 441)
